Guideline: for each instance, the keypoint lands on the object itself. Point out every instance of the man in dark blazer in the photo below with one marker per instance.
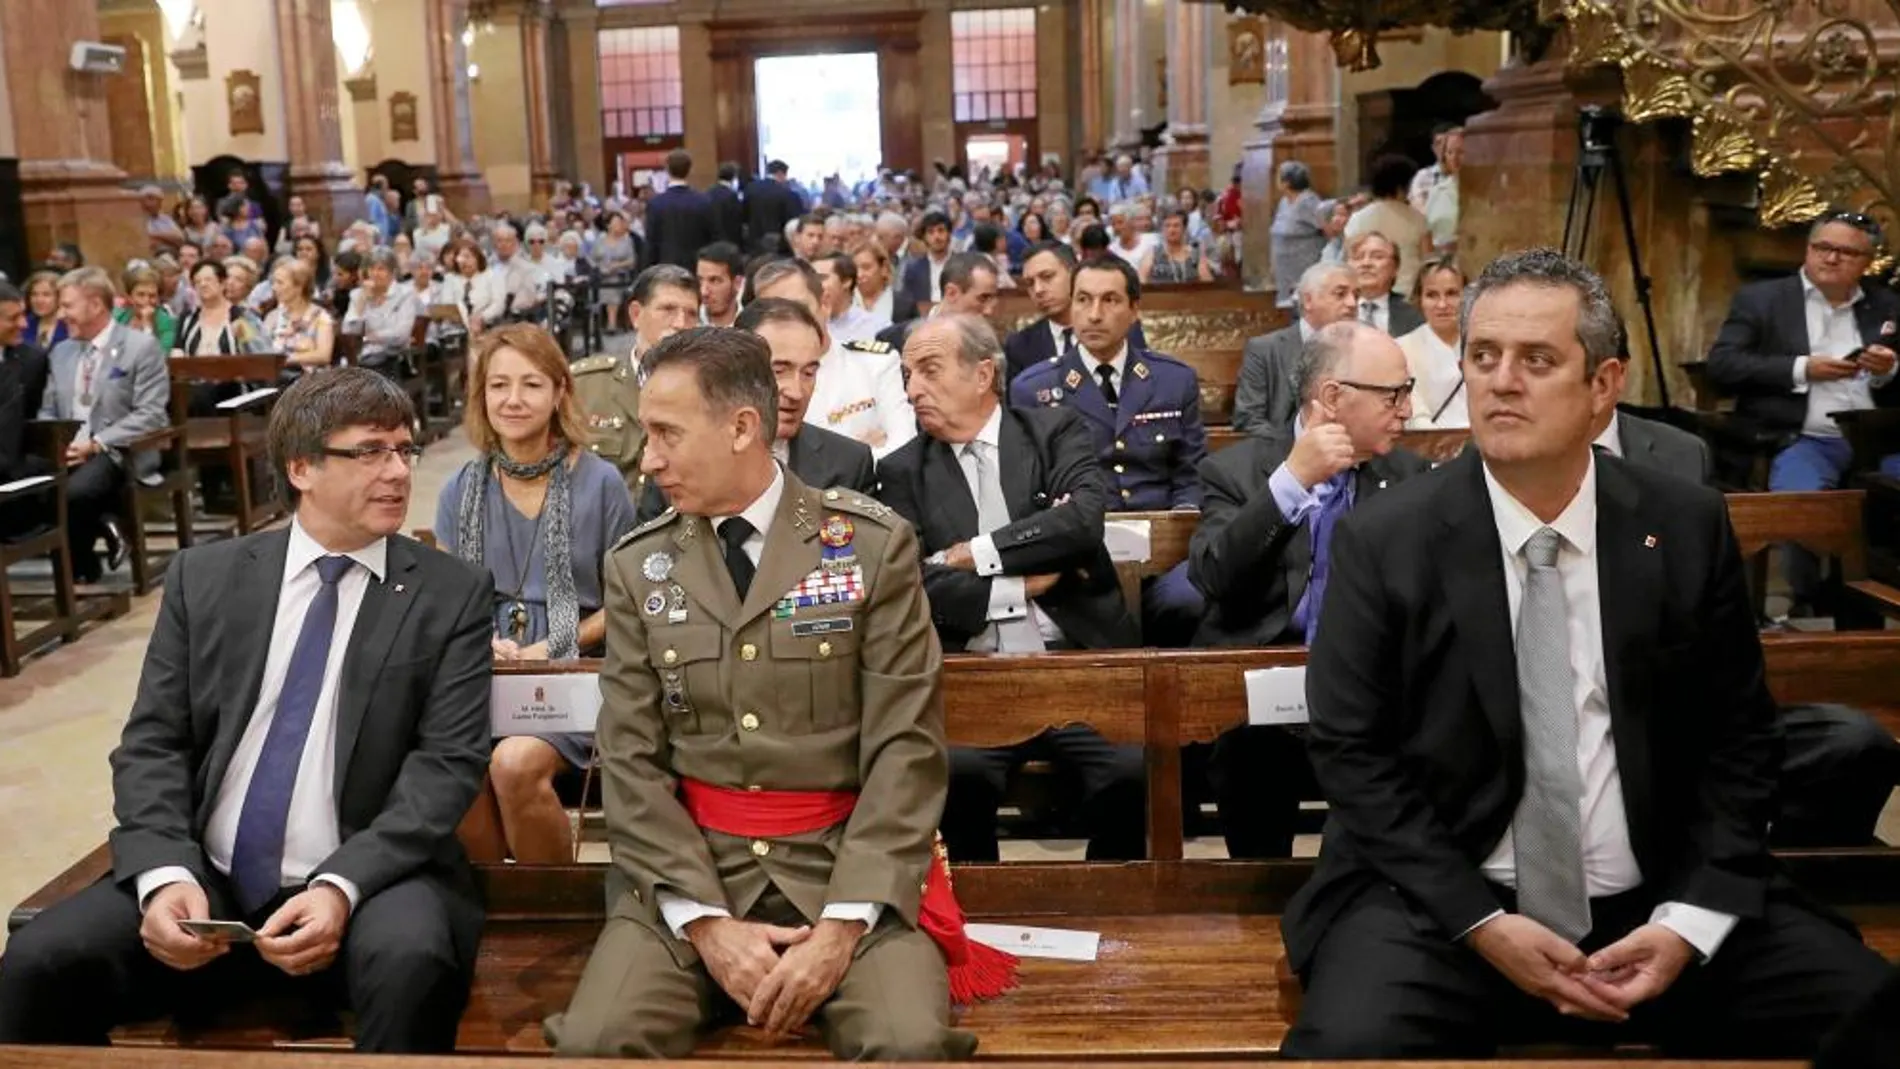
(922, 276)
(1008, 506)
(680, 219)
(1267, 395)
(1253, 556)
(820, 458)
(1535, 837)
(1049, 275)
(769, 205)
(23, 373)
(311, 725)
(1375, 265)
(1796, 350)
(969, 288)
(728, 212)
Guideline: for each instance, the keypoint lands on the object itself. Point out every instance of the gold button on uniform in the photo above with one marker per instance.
(760, 848)
(1127, 494)
(754, 787)
(1118, 469)
(824, 649)
(670, 657)
(831, 495)
(748, 652)
(1119, 444)
(750, 722)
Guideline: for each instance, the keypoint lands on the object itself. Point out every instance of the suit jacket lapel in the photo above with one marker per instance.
(1630, 582)
(1794, 312)
(377, 622)
(1136, 388)
(947, 490)
(1042, 341)
(1472, 578)
(1021, 474)
(1870, 319)
(1080, 381)
(251, 611)
(791, 547)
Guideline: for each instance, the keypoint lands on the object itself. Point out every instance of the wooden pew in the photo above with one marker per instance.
(135, 1058)
(236, 438)
(1827, 523)
(57, 613)
(1437, 446)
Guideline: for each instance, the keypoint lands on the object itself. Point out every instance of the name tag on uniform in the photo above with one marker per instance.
(550, 704)
(1276, 695)
(805, 628)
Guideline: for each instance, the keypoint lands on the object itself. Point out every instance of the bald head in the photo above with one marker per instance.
(954, 375)
(1355, 375)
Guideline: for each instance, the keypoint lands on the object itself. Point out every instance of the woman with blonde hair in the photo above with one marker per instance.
(300, 328)
(1433, 352)
(538, 510)
(44, 327)
(142, 309)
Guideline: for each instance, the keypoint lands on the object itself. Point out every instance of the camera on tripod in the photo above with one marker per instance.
(1597, 127)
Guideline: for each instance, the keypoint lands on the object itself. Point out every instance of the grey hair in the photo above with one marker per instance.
(536, 230)
(501, 226)
(1314, 277)
(977, 345)
(1121, 211)
(383, 256)
(1854, 220)
(1599, 330)
(1323, 354)
(93, 281)
(1296, 175)
(892, 219)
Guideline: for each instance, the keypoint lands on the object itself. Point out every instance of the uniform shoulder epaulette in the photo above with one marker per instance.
(869, 345)
(648, 527)
(852, 501)
(1154, 357)
(604, 362)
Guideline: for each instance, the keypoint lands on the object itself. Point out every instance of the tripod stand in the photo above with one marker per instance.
(1596, 153)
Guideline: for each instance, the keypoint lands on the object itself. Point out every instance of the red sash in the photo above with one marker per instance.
(977, 971)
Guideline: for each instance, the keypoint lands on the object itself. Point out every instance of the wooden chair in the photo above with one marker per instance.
(1826, 523)
(1743, 449)
(168, 488)
(46, 496)
(237, 437)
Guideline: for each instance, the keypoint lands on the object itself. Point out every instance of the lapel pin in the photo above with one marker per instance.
(1381, 484)
(1649, 541)
(398, 588)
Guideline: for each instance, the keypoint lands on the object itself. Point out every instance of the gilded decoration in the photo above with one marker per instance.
(1356, 26)
(1795, 92)
(1169, 332)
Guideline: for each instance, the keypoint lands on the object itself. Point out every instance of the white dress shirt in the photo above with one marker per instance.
(1832, 332)
(1611, 440)
(859, 393)
(1015, 624)
(855, 324)
(1609, 861)
(89, 378)
(1116, 366)
(311, 834)
(879, 310)
(1056, 332)
(936, 276)
(679, 912)
(1434, 366)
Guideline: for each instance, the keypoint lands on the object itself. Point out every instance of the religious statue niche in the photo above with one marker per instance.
(244, 97)
(1247, 50)
(402, 117)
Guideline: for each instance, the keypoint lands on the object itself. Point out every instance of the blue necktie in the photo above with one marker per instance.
(257, 859)
(1338, 500)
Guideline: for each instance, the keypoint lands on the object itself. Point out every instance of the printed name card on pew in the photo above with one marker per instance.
(1056, 944)
(1128, 541)
(1276, 695)
(545, 704)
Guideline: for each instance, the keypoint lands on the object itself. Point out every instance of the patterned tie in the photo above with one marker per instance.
(1369, 313)
(1106, 372)
(733, 534)
(1338, 500)
(1547, 830)
(257, 858)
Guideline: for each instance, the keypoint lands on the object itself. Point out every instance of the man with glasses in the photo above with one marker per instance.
(1262, 553)
(310, 726)
(1797, 350)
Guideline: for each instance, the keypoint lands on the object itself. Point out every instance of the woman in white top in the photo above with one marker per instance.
(1129, 242)
(1441, 205)
(434, 233)
(875, 294)
(472, 286)
(1390, 214)
(1433, 351)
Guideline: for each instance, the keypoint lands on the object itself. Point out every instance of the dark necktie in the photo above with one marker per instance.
(1068, 339)
(257, 857)
(1338, 500)
(733, 534)
(1106, 372)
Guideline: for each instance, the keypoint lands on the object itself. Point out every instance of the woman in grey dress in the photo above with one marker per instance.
(539, 511)
(1297, 237)
(614, 257)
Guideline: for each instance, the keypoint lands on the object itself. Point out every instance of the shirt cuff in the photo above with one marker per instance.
(983, 552)
(865, 912)
(1294, 500)
(1008, 599)
(679, 912)
(1703, 929)
(151, 880)
(1488, 918)
(1800, 374)
(348, 887)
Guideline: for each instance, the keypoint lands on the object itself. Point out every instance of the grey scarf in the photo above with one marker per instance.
(563, 603)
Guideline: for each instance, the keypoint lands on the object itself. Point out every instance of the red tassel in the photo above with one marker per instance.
(978, 972)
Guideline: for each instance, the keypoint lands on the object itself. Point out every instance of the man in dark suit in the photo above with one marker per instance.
(728, 212)
(820, 458)
(23, 372)
(922, 276)
(1008, 503)
(311, 724)
(1799, 349)
(1267, 395)
(1536, 838)
(1375, 265)
(680, 219)
(969, 288)
(769, 205)
(1261, 557)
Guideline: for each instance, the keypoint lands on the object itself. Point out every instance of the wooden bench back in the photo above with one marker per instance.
(1827, 522)
(1218, 372)
(241, 367)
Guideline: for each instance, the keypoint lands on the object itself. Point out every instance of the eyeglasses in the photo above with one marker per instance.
(1829, 249)
(1392, 395)
(371, 455)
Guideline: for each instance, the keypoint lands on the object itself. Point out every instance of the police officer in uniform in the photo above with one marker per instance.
(767, 644)
(1144, 409)
(663, 299)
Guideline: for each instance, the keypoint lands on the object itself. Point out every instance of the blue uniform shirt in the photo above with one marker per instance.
(1151, 443)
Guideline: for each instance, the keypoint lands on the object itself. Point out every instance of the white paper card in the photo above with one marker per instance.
(25, 484)
(246, 398)
(1127, 540)
(544, 705)
(1060, 944)
(1276, 695)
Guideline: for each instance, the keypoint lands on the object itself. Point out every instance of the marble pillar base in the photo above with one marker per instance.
(84, 202)
(1520, 158)
(1304, 133)
(466, 193)
(331, 193)
(1183, 164)
(542, 184)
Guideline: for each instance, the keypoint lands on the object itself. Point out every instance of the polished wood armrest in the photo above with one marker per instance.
(84, 873)
(49, 437)
(1878, 596)
(160, 438)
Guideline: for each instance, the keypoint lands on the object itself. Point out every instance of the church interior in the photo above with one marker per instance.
(1236, 155)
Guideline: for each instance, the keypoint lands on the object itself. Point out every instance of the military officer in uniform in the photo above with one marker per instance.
(859, 392)
(1144, 410)
(771, 745)
(663, 299)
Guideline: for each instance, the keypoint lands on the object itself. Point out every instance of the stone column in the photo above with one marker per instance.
(69, 190)
(1127, 115)
(1297, 123)
(581, 20)
(313, 116)
(1090, 19)
(1183, 158)
(457, 177)
(513, 142)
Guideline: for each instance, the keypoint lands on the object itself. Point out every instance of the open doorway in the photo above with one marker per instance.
(820, 115)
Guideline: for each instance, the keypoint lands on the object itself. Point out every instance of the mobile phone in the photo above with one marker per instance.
(220, 931)
(1854, 356)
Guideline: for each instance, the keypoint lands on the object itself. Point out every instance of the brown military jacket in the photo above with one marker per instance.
(609, 394)
(798, 688)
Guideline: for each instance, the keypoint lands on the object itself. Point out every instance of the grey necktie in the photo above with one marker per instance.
(992, 513)
(1547, 831)
(1369, 313)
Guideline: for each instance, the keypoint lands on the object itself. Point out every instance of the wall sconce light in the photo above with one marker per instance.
(474, 72)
